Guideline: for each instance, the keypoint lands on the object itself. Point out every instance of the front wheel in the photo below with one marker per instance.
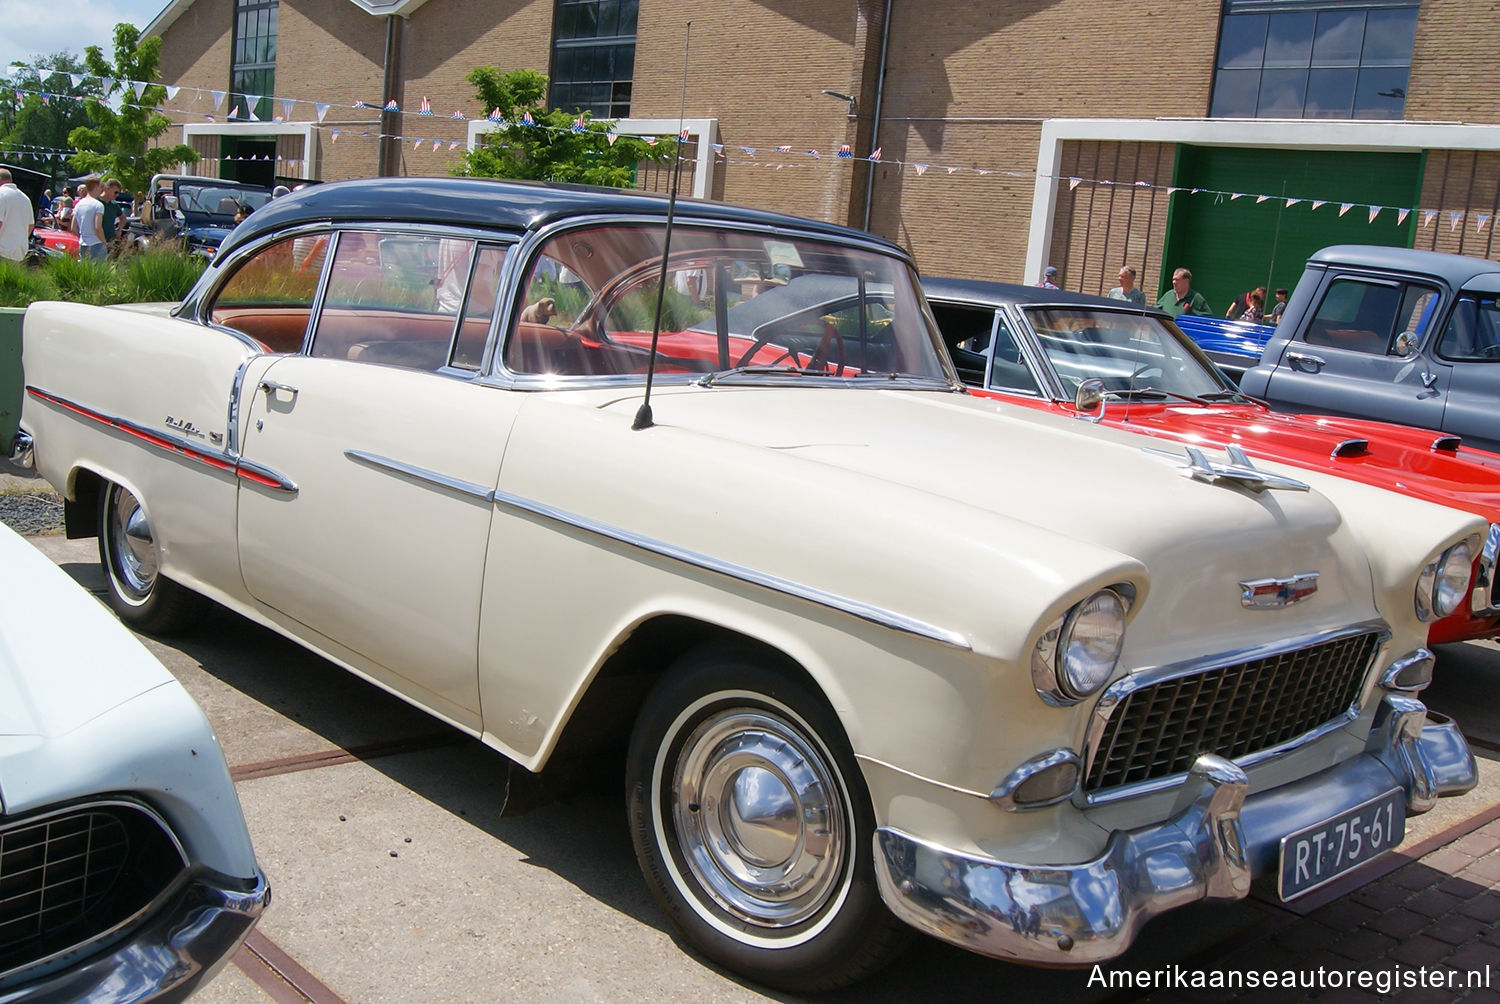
(753, 827)
(143, 598)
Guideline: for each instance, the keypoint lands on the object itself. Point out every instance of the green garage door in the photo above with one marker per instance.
(1232, 245)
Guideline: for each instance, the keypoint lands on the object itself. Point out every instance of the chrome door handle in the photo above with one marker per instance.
(1316, 362)
(271, 387)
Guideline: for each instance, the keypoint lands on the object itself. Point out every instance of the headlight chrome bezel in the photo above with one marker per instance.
(1055, 680)
(1444, 583)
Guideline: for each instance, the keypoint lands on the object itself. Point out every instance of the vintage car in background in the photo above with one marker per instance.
(1233, 346)
(1132, 370)
(1391, 334)
(48, 240)
(874, 649)
(198, 212)
(126, 871)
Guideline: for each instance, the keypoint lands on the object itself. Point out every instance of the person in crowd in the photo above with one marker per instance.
(1127, 290)
(1242, 303)
(1049, 278)
(1182, 298)
(114, 231)
(88, 222)
(16, 219)
(1273, 316)
(62, 209)
(44, 205)
(1254, 312)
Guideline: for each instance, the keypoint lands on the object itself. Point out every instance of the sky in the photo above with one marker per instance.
(31, 28)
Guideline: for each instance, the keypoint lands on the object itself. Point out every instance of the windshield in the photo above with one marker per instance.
(219, 199)
(736, 303)
(1129, 352)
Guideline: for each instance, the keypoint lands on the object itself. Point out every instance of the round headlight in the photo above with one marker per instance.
(1442, 586)
(1090, 643)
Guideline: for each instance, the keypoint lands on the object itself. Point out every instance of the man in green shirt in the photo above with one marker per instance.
(112, 211)
(1182, 298)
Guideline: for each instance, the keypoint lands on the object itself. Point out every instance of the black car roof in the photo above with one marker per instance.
(1453, 269)
(487, 202)
(998, 294)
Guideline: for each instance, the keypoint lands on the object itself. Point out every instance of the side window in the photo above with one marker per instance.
(966, 333)
(1367, 315)
(1009, 371)
(479, 309)
(1473, 333)
(393, 299)
(270, 296)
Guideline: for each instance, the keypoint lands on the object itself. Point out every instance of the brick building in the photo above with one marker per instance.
(1231, 136)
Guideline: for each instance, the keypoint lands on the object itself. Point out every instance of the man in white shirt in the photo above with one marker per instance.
(88, 222)
(16, 219)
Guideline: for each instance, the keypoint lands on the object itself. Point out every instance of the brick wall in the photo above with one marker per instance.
(195, 52)
(1455, 76)
(1467, 182)
(1100, 227)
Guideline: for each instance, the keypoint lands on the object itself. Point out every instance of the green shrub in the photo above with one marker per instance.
(82, 280)
(19, 285)
(164, 274)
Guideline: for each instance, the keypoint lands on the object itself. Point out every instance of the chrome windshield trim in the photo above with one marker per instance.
(1481, 601)
(467, 488)
(1115, 695)
(855, 608)
(226, 461)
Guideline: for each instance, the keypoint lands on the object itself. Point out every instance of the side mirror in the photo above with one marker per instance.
(1090, 398)
(1406, 344)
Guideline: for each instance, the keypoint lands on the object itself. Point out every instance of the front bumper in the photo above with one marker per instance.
(169, 956)
(1214, 842)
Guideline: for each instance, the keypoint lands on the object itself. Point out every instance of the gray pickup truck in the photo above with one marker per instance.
(1393, 334)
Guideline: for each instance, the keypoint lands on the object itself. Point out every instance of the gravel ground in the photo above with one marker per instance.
(31, 512)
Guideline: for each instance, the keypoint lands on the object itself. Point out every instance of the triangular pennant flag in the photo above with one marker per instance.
(139, 87)
(1428, 215)
(527, 120)
(1233, 195)
(717, 147)
(391, 106)
(983, 171)
(1143, 184)
(1172, 191)
(683, 135)
(1374, 212)
(321, 108)
(73, 79)
(650, 140)
(1344, 207)
(458, 115)
(1261, 198)
(495, 115)
(416, 143)
(360, 104)
(425, 108)
(875, 153)
(435, 144)
(209, 117)
(579, 125)
(333, 137)
(610, 138)
(1075, 182)
(1454, 218)
(453, 144)
(1292, 202)
(108, 83)
(921, 168)
(172, 90)
(950, 170)
(1401, 215)
(844, 152)
(286, 107)
(1480, 219)
(815, 155)
(783, 149)
(218, 97)
(1323, 202)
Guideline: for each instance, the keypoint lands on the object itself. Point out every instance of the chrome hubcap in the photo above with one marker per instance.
(131, 544)
(760, 818)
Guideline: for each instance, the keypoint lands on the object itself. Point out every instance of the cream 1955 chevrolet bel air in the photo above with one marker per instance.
(882, 652)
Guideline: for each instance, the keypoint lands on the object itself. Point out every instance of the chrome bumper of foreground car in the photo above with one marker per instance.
(1215, 840)
(169, 956)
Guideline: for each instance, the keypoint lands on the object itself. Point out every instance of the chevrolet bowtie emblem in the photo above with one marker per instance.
(1273, 594)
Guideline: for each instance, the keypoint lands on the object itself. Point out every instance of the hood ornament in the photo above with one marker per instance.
(1273, 594)
(1239, 471)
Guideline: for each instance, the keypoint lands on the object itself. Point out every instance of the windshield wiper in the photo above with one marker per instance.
(710, 379)
(1158, 393)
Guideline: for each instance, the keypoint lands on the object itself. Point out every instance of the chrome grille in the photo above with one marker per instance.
(69, 877)
(1158, 730)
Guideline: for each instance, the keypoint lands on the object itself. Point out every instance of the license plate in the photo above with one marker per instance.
(1318, 854)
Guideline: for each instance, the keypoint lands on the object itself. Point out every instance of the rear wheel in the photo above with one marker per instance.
(143, 597)
(753, 827)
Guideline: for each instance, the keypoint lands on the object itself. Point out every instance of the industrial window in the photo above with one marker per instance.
(1314, 59)
(253, 60)
(593, 56)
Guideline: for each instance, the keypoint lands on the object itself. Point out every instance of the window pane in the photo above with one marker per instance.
(1282, 94)
(1330, 93)
(609, 18)
(270, 297)
(1381, 93)
(1357, 316)
(1235, 93)
(1289, 39)
(588, 25)
(1389, 36)
(624, 62)
(1242, 40)
(1340, 36)
(628, 10)
(472, 331)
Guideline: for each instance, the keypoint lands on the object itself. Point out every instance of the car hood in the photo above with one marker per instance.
(64, 660)
(208, 233)
(1397, 457)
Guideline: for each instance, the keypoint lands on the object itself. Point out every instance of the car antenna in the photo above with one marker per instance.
(643, 414)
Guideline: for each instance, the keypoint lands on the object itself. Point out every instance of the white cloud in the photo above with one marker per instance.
(34, 28)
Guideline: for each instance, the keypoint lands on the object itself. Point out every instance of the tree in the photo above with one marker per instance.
(558, 147)
(116, 143)
(39, 108)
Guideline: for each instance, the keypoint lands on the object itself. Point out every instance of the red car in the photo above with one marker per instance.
(60, 240)
(1111, 362)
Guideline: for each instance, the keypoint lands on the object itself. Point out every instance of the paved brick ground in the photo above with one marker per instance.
(1434, 911)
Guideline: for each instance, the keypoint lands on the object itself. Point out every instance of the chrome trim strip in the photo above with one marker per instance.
(1116, 693)
(855, 608)
(1004, 794)
(1389, 679)
(225, 461)
(1484, 580)
(477, 492)
(919, 777)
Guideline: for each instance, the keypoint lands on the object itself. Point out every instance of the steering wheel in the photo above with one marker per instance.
(831, 346)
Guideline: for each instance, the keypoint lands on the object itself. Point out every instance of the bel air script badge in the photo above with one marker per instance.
(1273, 594)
